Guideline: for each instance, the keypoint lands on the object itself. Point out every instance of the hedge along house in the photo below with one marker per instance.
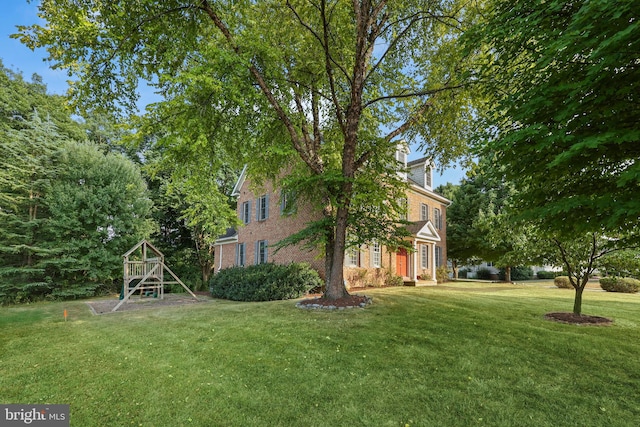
(268, 216)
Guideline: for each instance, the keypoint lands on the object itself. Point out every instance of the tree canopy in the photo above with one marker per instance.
(320, 89)
(68, 210)
(564, 79)
(481, 225)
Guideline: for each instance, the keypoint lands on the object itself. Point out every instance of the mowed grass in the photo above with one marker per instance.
(460, 355)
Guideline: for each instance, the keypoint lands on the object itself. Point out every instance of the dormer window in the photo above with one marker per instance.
(421, 172)
(402, 152)
(401, 157)
(428, 173)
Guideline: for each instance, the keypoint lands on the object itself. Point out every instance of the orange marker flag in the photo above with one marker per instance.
(65, 314)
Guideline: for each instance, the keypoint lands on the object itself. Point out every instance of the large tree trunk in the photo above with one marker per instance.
(335, 281)
(454, 267)
(507, 274)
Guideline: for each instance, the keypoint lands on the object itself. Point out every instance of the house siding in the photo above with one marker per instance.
(274, 228)
(278, 226)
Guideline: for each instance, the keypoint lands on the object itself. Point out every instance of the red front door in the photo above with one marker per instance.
(402, 263)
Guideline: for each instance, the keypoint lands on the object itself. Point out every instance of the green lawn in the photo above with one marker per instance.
(429, 356)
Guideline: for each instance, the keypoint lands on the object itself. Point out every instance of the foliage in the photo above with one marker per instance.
(542, 274)
(462, 274)
(562, 77)
(562, 282)
(192, 210)
(624, 263)
(484, 274)
(320, 92)
(581, 256)
(517, 273)
(480, 224)
(442, 274)
(620, 284)
(264, 282)
(393, 279)
(26, 172)
(98, 207)
(21, 99)
(68, 210)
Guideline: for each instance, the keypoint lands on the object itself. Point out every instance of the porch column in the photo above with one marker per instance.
(414, 266)
(433, 262)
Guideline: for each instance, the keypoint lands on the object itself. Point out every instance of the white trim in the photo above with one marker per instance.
(433, 264)
(227, 240)
(240, 182)
(429, 233)
(432, 194)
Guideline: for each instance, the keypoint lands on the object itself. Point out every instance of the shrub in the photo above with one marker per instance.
(462, 274)
(264, 282)
(484, 274)
(442, 274)
(517, 273)
(393, 280)
(563, 282)
(547, 274)
(620, 284)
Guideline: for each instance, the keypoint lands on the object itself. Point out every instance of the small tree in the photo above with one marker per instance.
(581, 257)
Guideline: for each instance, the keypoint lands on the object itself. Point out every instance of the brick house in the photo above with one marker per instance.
(269, 216)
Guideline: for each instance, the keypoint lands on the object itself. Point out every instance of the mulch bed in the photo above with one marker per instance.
(576, 319)
(135, 303)
(350, 301)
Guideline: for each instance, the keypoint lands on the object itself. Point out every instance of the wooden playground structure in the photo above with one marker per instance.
(144, 271)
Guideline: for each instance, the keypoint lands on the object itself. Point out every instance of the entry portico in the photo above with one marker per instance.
(420, 265)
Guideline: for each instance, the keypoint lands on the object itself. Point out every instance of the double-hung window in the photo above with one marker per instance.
(261, 252)
(245, 212)
(240, 254)
(424, 212)
(287, 202)
(376, 255)
(438, 256)
(262, 208)
(424, 256)
(437, 218)
(403, 205)
(352, 257)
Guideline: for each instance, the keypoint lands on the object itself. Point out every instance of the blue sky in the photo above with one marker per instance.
(18, 57)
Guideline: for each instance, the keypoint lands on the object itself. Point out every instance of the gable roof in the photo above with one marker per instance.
(423, 230)
(241, 179)
(230, 236)
(420, 161)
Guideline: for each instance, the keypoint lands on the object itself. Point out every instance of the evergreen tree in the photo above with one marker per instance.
(26, 171)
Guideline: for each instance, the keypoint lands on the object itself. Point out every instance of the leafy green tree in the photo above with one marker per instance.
(480, 225)
(580, 257)
(563, 78)
(67, 210)
(322, 89)
(194, 207)
(625, 263)
(99, 208)
(20, 98)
